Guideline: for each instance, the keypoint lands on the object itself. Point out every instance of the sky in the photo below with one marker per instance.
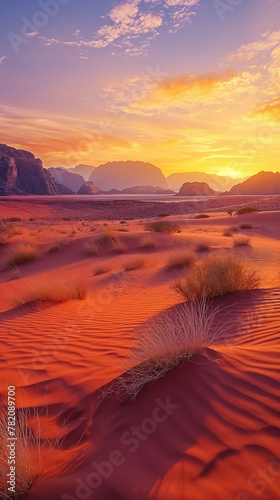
(188, 85)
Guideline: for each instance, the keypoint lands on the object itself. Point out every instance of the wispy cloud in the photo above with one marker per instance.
(268, 111)
(268, 41)
(2, 59)
(131, 25)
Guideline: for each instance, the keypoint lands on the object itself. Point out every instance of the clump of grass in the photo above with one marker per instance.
(203, 246)
(217, 276)
(107, 237)
(119, 247)
(148, 244)
(91, 248)
(47, 289)
(14, 219)
(245, 226)
(102, 269)
(56, 246)
(166, 341)
(7, 231)
(246, 210)
(241, 241)
(163, 226)
(135, 264)
(235, 229)
(184, 260)
(202, 216)
(20, 254)
(227, 233)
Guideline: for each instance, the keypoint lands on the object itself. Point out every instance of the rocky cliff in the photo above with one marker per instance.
(21, 173)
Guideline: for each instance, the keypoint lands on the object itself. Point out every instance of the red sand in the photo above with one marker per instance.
(219, 439)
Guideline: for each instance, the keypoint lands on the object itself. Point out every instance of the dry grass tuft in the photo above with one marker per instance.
(245, 226)
(8, 231)
(148, 244)
(137, 263)
(20, 254)
(202, 216)
(241, 241)
(184, 260)
(166, 341)
(203, 246)
(47, 289)
(246, 210)
(91, 248)
(102, 269)
(119, 247)
(227, 233)
(163, 226)
(217, 276)
(106, 237)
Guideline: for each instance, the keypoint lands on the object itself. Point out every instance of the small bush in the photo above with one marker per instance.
(47, 289)
(187, 259)
(148, 244)
(163, 226)
(7, 231)
(135, 264)
(203, 246)
(246, 210)
(102, 269)
(14, 219)
(91, 248)
(241, 241)
(227, 233)
(166, 341)
(245, 226)
(217, 276)
(118, 247)
(235, 229)
(202, 216)
(20, 254)
(107, 237)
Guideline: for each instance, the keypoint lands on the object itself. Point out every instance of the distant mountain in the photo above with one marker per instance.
(126, 174)
(21, 173)
(146, 190)
(196, 189)
(66, 178)
(89, 188)
(84, 170)
(261, 183)
(216, 182)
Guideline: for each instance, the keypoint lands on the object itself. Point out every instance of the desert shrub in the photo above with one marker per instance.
(20, 254)
(163, 226)
(102, 269)
(118, 247)
(164, 342)
(235, 229)
(123, 230)
(147, 244)
(186, 259)
(203, 246)
(91, 248)
(227, 233)
(106, 237)
(246, 210)
(245, 226)
(14, 219)
(241, 241)
(47, 289)
(202, 216)
(217, 276)
(8, 231)
(135, 264)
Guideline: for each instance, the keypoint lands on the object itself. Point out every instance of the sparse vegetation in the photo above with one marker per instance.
(235, 229)
(166, 341)
(217, 276)
(241, 241)
(227, 233)
(245, 226)
(47, 289)
(7, 231)
(203, 246)
(119, 247)
(102, 269)
(148, 244)
(20, 254)
(107, 237)
(14, 219)
(135, 264)
(163, 226)
(202, 216)
(246, 210)
(91, 248)
(184, 260)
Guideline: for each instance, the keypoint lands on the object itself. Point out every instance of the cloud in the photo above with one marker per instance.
(185, 91)
(132, 25)
(268, 111)
(2, 59)
(269, 40)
